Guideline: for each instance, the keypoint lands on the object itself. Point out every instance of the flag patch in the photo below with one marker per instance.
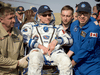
(93, 34)
(63, 31)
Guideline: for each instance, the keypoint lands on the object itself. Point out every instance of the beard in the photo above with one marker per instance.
(66, 24)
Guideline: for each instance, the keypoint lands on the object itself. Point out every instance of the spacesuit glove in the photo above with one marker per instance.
(23, 62)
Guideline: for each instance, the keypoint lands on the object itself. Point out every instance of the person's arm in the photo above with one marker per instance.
(64, 38)
(27, 36)
(87, 47)
(70, 53)
(44, 50)
(31, 42)
(51, 46)
(7, 62)
(61, 39)
(21, 49)
(73, 63)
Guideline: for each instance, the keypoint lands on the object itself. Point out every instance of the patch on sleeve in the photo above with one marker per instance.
(63, 31)
(93, 34)
(96, 23)
(25, 30)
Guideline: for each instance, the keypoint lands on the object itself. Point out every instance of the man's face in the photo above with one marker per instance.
(45, 17)
(66, 16)
(83, 17)
(8, 20)
(19, 16)
(75, 16)
(94, 16)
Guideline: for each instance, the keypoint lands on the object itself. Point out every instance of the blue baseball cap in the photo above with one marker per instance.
(20, 9)
(34, 9)
(84, 6)
(44, 8)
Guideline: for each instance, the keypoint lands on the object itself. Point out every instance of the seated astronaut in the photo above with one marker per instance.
(45, 40)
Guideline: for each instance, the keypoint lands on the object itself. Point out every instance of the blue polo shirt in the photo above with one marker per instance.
(86, 48)
(17, 23)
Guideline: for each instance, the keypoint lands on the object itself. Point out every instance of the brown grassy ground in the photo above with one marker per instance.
(57, 18)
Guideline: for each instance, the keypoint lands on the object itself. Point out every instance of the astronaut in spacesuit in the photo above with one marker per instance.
(45, 41)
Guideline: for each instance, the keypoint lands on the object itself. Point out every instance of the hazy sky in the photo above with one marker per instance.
(55, 5)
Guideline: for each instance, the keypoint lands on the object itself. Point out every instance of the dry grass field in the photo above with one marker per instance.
(57, 18)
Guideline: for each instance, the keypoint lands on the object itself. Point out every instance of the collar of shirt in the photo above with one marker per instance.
(16, 20)
(68, 29)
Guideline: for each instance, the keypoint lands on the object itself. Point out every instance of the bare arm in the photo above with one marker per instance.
(70, 53)
(73, 63)
(45, 50)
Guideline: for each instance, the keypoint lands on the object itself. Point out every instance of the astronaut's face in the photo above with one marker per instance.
(83, 17)
(45, 17)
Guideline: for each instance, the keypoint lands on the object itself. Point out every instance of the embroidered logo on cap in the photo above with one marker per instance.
(83, 5)
(45, 7)
(20, 8)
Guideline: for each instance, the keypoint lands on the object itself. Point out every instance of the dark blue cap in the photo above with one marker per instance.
(44, 8)
(20, 9)
(34, 9)
(84, 6)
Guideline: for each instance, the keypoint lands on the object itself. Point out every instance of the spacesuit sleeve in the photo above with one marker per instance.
(27, 35)
(87, 47)
(26, 32)
(62, 35)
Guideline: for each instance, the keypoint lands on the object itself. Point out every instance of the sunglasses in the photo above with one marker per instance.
(45, 15)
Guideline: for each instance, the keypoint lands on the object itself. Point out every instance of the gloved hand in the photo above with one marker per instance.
(23, 62)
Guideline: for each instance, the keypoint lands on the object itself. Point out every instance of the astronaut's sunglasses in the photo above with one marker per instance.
(45, 15)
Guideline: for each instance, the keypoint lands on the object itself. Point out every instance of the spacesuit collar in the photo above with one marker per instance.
(42, 24)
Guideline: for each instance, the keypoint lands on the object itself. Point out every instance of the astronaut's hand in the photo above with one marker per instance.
(51, 46)
(23, 62)
(45, 50)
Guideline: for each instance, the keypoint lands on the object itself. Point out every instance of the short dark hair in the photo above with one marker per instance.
(94, 7)
(6, 10)
(76, 6)
(67, 7)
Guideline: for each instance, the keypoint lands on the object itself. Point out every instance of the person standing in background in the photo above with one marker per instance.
(95, 9)
(19, 16)
(66, 20)
(34, 10)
